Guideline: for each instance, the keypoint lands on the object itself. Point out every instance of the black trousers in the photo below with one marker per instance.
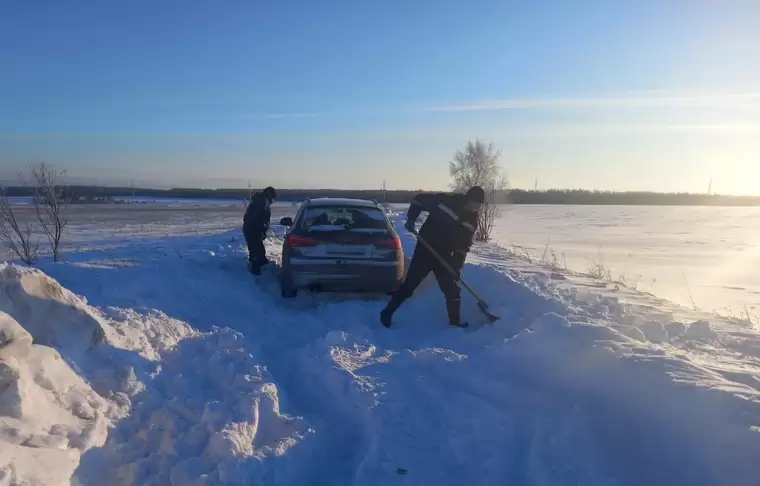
(423, 262)
(257, 255)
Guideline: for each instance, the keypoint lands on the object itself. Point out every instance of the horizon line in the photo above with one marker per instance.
(254, 190)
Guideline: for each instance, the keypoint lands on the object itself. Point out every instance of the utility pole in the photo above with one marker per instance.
(709, 187)
(535, 185)
(384, 198)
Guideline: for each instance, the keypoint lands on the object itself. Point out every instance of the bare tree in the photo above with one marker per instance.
(478, 165)
(15, 236)
(51, 201)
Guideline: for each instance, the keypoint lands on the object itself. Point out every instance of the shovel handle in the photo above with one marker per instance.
(440, 259)
(449, 269)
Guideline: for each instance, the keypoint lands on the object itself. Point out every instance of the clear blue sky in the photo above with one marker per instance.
(646, 94)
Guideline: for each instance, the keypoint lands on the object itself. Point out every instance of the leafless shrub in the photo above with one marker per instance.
(622, 278)
(749, 317)
(15, 236)
(550, 259)
(694, 305)
(51, 202)
(745, 317)
(545, 255)
(521, 252)
(599, 271)
(478, 165)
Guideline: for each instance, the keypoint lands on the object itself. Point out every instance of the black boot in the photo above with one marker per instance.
(386, 315)
(452, 307)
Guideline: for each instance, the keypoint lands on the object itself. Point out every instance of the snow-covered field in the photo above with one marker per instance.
(702, 257)
(151, 356)
(695, 256)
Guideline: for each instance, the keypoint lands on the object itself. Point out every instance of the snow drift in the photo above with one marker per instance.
(48, 413)
(51, 314)
(211, 416)
(576, 384)
(186, 407)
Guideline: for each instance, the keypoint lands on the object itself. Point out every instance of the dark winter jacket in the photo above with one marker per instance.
(449, 228)
(258, 215)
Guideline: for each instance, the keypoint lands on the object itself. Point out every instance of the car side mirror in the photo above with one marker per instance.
(287, 221)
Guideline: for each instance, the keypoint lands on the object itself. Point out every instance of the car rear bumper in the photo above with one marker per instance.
(341, 275)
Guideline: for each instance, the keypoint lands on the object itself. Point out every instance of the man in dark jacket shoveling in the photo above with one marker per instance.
(449, 230)
(255, 227)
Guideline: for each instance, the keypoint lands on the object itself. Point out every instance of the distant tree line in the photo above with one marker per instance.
(102, 192)
(610, 198)
(512, 196)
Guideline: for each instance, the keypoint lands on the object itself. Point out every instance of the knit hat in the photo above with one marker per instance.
(270, 193)
(476, 193)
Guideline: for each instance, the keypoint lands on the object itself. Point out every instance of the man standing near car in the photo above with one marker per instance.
(255, 227)
(449, 230)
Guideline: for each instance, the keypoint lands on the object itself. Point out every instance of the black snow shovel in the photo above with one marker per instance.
(481, 303)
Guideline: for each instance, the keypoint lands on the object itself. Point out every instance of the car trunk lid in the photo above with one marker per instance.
(349, 244)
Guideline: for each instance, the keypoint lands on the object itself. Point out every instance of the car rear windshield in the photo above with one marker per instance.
(340, 218)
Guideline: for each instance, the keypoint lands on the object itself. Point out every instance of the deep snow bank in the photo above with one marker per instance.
(574, 385)
(672, 396)
(211, 416)
(51, 314)
(562, 402)
(188, 407)
(48, 413)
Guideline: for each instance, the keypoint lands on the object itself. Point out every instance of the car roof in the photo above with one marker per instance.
(339, 201)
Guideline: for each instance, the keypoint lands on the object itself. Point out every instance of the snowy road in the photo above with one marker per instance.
(206, 376)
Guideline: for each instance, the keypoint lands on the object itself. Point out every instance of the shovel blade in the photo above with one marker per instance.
(484, 309)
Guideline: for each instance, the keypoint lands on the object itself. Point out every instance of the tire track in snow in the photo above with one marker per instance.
(332, 397)
(212, 287)
(290, 347)
(432, 418)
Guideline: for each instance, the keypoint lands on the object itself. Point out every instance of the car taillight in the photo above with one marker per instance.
(295, 241)
(393, 243)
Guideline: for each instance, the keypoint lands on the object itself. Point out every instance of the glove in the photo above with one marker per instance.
(409, 225)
